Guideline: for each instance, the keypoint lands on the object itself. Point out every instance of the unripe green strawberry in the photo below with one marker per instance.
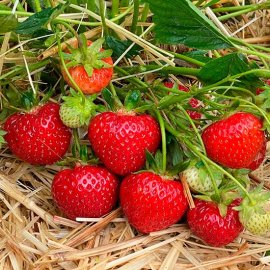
(77, 110)
(254, 211)
(199, 179)
(69, 116)
(258, 224)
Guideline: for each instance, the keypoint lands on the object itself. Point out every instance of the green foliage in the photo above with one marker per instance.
(132, 99)
(39, 20)
(119, 47)
(226, 66)
(180, 21)
(8, 23)
(198, 55)
(108, 97)
(265, 95)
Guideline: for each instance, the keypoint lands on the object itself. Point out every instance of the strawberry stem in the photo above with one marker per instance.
(187, 59)
(193, 126)
(214, 183)
(163, 140)
(65, 67)
(68, 26)
(76, 142)
(247, 102)
(115, 8)
(136, 5)
(206, 159)
(103, 18)
(115, 96)
(130, 77)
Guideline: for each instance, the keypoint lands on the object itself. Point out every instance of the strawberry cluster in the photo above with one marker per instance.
(151, 199)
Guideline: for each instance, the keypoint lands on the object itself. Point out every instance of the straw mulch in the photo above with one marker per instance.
(34, 235)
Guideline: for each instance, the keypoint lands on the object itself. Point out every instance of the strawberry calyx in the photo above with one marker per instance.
(89, 54)
(76, 110)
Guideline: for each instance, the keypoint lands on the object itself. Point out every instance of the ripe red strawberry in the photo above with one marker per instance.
(91, 68)
(85, 191)
(234, 142)
(120, 139)
(206, 222)
(152, 202)
(194, 103)
(38, 137)
(260, 90)
(255, 164)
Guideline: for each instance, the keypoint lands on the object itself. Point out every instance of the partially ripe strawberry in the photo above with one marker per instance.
(152, 202)
(90, 67)
(38, 137)
(234, 142)
(85, 191)
(120, 139)
(193, 102)
(206, 222)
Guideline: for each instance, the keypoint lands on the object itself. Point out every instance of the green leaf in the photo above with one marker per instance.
(108, 97)
(31, 3)
(266, 98)
(4, 7)
(150, 161)
(158, 159)
(8, 23)
(180, 167)
(210, 3)
(28, 99)
(119, 47)
(38, 20)
(179, 21)
(225, 66)
(198, 55)
(175, 153)
(132, 99)
(35, 22)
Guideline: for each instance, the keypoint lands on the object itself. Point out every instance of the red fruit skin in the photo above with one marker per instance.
(120, 140)
(85, 191)
(38, 137)
(193, 102)
(152, 203)
(235, 141)
(206, 222)
(260, 90)
(90, 85)
(255, 164)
